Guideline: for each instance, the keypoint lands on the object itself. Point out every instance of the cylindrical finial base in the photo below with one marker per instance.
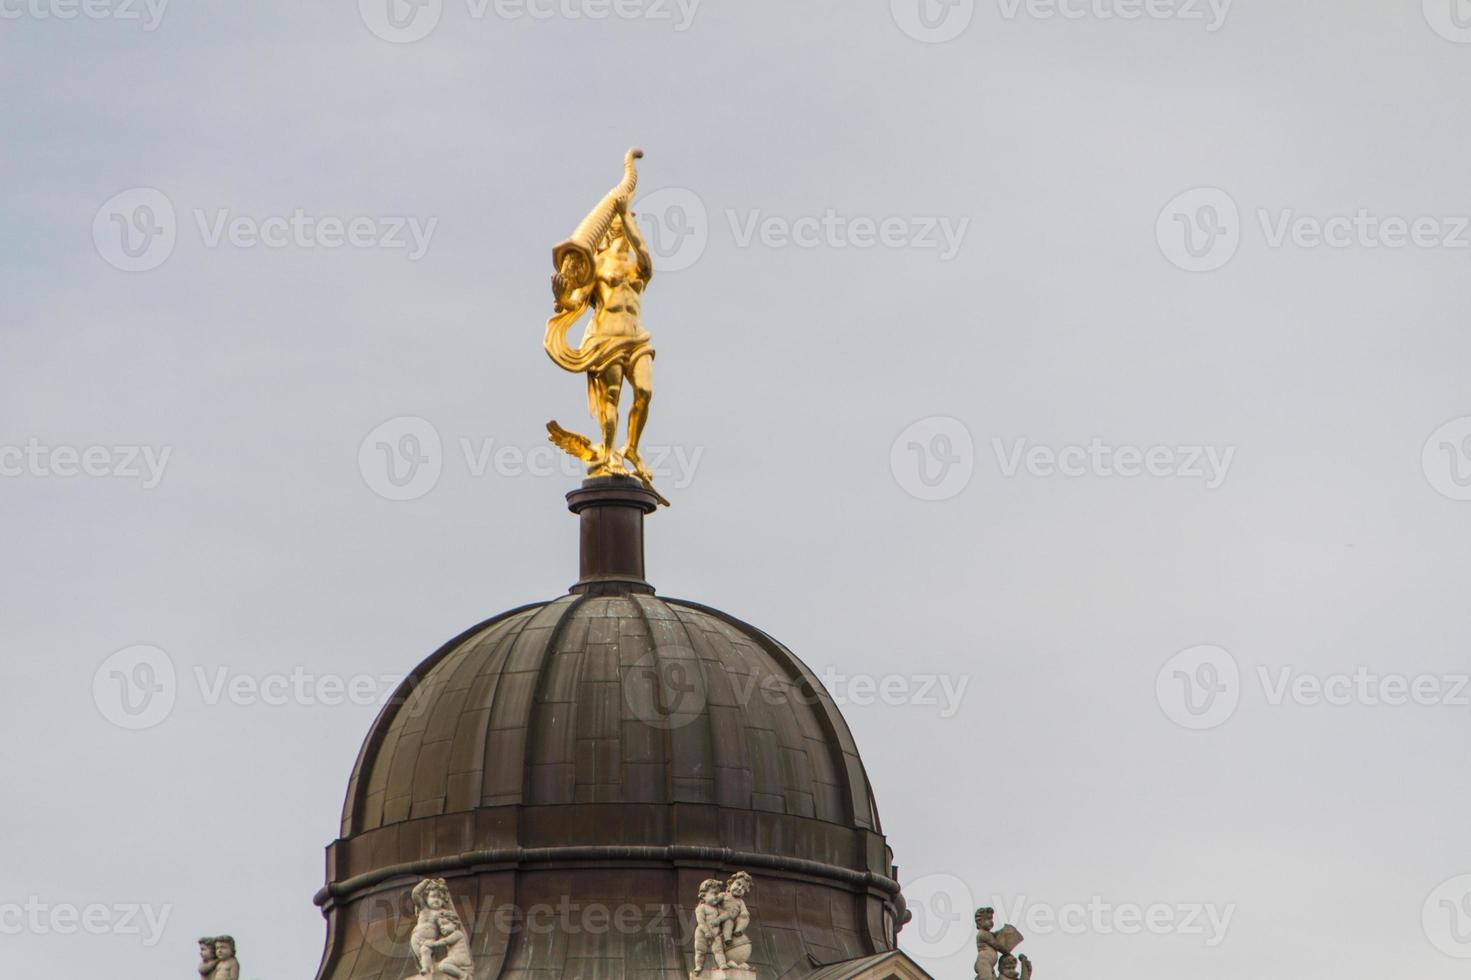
(612, 510)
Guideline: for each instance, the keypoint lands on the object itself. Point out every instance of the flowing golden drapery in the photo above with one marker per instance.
(596, 352)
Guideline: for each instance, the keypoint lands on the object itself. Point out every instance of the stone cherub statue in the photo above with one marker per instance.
(226, 967)
(1009, 967)
(721, 921)
(995, 945)
(605, 266)
(737, 920)
(439, 940)
(710, 919)
(207, 959)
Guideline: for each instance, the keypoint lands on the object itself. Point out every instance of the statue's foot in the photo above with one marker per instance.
(605, 462)
(636, 462)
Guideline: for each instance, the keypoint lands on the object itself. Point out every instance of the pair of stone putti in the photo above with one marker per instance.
(994, 950)
(721, 920)
(441, 943)
(217, 958)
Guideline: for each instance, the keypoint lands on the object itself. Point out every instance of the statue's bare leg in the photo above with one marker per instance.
(717, 947)
(604, 389)
(641, 377)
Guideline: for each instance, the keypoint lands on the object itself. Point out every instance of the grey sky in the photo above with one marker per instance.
(1328, 537)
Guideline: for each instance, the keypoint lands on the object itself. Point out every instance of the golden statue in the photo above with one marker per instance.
(605, 265)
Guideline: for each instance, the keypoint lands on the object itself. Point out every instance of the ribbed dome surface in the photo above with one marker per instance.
(609, 751)
(610, 699)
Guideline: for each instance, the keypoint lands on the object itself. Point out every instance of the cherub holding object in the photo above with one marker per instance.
(991, 943)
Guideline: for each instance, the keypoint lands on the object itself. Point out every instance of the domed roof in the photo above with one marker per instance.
(609, 748)
(610, 699)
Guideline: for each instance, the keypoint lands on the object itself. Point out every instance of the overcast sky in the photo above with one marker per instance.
(1081, 388)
